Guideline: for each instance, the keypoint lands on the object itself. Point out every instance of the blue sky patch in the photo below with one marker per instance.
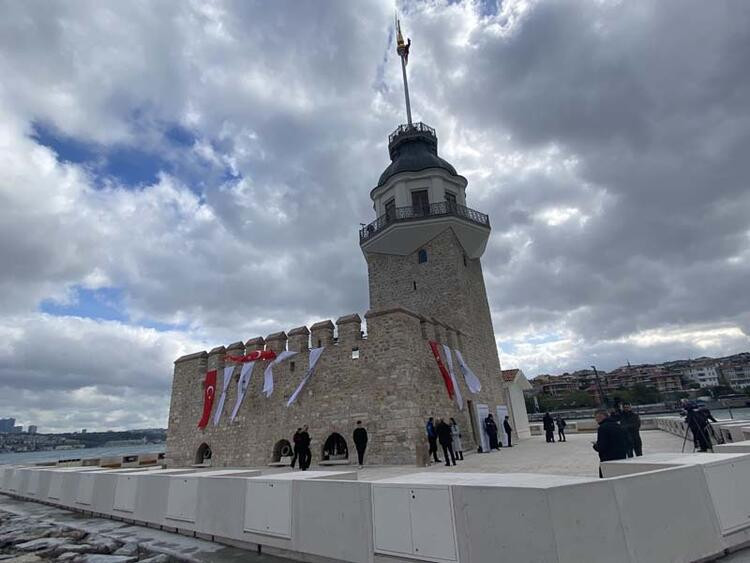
(100, 304)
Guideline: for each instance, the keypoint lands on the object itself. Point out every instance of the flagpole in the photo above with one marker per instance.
(402, 49)
(406, 90)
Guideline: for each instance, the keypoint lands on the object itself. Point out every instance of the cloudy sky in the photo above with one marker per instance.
(179, 175)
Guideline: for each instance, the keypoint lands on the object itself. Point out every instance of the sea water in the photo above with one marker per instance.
(79, 453)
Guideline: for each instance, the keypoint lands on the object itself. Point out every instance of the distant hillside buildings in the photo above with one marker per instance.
(670, 379)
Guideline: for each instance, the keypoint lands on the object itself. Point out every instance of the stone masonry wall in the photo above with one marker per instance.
(449, 290)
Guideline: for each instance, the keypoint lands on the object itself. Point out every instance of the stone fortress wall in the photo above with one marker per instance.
(393, 386)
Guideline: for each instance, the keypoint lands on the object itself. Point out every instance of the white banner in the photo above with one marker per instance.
(315, 354)
(245, 375)
(268, 374)
(472, 381)
(227, 380)
(449, 362)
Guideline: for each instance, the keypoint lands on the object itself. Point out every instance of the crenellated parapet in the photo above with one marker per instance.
(381, 323)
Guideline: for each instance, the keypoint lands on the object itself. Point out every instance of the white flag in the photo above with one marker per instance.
(449, 361)
(315, 354)
(245, 375)
(268, 374)
(472, 381)
(227, 380)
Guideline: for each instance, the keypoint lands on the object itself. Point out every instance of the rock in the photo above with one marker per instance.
(67, 556)
(130, 548)
(41, 543)
(102, 544)
(100, 558)
(75, 548)
(25, 558)
(161, 558)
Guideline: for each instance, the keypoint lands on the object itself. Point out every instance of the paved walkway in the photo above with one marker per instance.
(574, 457)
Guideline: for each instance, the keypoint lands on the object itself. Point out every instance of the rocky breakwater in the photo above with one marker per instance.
(25, 539)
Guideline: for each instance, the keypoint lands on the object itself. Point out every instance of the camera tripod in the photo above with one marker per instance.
(701, 434)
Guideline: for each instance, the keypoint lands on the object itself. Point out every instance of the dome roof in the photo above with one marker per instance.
(413, 148)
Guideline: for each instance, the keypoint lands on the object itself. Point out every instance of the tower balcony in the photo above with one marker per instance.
(403, 228)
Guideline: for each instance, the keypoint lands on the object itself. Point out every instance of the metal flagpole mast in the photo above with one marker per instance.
(402, 49)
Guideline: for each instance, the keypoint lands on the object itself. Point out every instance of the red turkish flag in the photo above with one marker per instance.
(252, 357)
(209, 391)
(444, 372)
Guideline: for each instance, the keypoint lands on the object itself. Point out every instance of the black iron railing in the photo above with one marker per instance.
(414, 212)
(411, 129)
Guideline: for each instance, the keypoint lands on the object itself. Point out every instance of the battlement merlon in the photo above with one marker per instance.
(381, 323)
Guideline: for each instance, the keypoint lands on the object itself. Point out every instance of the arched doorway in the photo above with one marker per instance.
(203, 455)
(335, 448)
(282, 449)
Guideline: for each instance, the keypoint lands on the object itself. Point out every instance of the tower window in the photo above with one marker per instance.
(355, 353)
(415, 285)
(420, 203)
(465, 264)
(422, 256)
(291, 366)
(450, 199)
(390, 210)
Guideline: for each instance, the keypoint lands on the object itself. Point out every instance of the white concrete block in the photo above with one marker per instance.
(667, 516)
(268, 507)
(326, 509)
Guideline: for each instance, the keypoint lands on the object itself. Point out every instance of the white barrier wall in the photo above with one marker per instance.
(692, 506)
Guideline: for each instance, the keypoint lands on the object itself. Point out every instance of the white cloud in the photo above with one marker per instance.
(607, 141)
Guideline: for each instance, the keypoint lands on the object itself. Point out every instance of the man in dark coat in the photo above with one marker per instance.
(445, 437)
(305, 455)
(631, 423)
(491, 428)
(611, 440)
(295, 450)
(549, 428)
(561, 424)
(698, 424)
(508, 430)
(360, 442)
(432, 439)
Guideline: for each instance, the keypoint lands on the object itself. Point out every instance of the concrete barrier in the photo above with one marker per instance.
(659, 507)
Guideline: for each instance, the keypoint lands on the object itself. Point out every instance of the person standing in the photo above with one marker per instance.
(561, 424)
(549, 428)
(631, 423)
(432, 440)
(445, 437)
(360, 442)
(305, 455)
(611, 440)
(508, 430)
(295, 447)
(458, 447)
(491, 428)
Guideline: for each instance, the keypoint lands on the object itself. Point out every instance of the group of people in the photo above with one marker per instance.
(448, 435)
(549, 428)
(490, 428)
(618, 435)
(301, 446)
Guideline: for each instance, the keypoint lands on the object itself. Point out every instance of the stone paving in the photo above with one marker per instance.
(534, 455)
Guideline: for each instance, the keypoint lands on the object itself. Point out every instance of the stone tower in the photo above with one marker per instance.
(423, 251)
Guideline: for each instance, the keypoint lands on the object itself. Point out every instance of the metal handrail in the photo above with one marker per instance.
(415, 212)
(407, 129)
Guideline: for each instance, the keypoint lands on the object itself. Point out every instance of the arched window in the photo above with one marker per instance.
(282, 449)
(203, 455)
(335, 448)
(422, 256)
